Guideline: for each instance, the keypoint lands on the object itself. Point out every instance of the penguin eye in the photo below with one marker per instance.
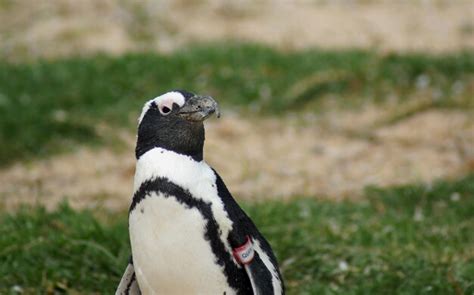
(164, 110)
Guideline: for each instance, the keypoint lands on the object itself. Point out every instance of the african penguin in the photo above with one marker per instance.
(188, 235)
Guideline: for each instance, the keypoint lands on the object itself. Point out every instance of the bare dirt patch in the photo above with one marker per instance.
(323, 156)
(63, 27)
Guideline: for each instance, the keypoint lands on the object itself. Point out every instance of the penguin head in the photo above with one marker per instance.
(174, 121)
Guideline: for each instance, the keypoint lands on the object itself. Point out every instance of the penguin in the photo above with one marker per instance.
(188, 235)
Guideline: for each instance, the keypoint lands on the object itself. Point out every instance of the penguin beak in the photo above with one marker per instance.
(198, 108)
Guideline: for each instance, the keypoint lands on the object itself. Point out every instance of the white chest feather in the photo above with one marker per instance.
(171, 255)
(196, 177)
(169, 251)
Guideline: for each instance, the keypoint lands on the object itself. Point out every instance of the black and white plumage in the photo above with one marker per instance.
(184, 224)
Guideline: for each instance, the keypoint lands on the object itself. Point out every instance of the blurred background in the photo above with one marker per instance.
(330, 102)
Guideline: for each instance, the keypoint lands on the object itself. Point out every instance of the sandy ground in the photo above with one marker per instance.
(327, 156)
(52, 28)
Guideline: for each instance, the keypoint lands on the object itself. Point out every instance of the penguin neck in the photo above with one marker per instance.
(196, 154)
(160, 162)
(187, 140)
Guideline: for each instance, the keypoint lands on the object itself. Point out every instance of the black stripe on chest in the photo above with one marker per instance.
(236, 277)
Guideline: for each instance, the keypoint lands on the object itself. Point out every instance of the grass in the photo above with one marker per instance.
(414, 239)
(48, 106)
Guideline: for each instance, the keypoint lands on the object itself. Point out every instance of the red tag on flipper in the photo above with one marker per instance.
(245, 253)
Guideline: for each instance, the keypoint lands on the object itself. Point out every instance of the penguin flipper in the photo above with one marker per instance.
(244, 227)
(257, 269)
(259, 275)
(128, 284)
